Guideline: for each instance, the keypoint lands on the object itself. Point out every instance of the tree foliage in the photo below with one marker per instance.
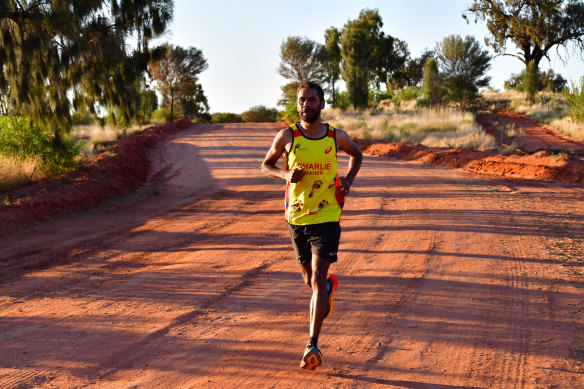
(288, 101)
(302, 60)
(358, 39)
(332, 62)
(20, 140)
(176, 74)
(535, 27)
(432, 89)
(463, 65)
(389, 62)
(549, 81)
(260, 114)
(414, 71)
(531, 81)
(574, 95)
(148, 104)
(225, 117)
(56, 56)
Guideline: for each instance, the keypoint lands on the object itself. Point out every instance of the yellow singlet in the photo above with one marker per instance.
(313, 200)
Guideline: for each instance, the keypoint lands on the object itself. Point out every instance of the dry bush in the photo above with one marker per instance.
(541, 112)
(570, 127)
(506, 95)
(431, 127)
(469, 138)
(96, 136)
(15, 172)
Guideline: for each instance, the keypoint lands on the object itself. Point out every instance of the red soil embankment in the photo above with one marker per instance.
(538, 166)
(124, 167)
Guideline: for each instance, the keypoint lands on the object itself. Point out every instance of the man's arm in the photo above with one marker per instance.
(278, 148)
(345, 143)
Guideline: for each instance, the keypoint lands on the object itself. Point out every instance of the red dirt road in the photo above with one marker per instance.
(446, 280)
(532, 136)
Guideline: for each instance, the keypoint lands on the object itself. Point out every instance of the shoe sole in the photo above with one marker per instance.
(312, 359)
(333, 278)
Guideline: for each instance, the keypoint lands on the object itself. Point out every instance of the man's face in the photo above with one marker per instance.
(309, 105)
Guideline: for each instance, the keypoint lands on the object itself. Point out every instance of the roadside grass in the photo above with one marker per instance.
(97, 137)
(549, 108)
(17, 170)
(445, 127)
(570, 127)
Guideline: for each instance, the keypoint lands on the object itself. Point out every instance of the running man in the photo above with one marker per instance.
(314, 200)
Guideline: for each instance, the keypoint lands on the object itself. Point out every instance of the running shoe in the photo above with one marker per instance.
(311, 359)
(333, 282)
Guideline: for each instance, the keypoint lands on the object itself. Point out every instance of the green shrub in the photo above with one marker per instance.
(161, 115)
(225, 117)
(574, 95)
(260, 114)
(343, 101)
(376, 95)
(290, 113)
(20, 140)
(409, 93)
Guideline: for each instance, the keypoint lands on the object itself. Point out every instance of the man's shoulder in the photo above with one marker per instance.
(285, 133)
(283, 137)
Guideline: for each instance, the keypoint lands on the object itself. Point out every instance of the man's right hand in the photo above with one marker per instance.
(294, 176)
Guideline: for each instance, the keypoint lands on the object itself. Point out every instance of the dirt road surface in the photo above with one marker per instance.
(530, 136)
(446, 280)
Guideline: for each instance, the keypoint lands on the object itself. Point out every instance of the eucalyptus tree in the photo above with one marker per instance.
(302, 59)
(535, 27)
(389, 62)
(176, 74)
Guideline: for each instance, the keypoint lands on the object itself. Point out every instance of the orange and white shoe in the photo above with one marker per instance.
(333, 282)
(311, 359)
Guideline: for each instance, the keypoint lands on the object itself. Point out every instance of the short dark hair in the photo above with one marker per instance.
(311, 85)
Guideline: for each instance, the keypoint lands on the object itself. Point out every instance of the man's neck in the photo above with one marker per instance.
(313, 129)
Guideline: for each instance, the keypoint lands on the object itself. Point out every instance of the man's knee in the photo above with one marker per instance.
(307, 275)
(308, 281)
(318, 278)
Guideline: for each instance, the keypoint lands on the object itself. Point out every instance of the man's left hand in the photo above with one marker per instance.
(345, 186)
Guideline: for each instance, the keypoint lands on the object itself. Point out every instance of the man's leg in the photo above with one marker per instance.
(324, 243)
(314, 275)
(317, 281)
(319, 301)
(307, 277)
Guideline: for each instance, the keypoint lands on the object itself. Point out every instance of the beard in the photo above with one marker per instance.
(310, 115)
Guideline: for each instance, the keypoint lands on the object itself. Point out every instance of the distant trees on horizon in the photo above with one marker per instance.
(366, 58)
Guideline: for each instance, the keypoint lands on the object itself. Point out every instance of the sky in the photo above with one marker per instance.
(241, 40)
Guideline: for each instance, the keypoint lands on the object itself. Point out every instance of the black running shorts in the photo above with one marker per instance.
(320, 239)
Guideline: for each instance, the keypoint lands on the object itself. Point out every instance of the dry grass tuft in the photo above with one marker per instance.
(543, 112)
(429, 127)
(506, 95)
(568, 126)
(97, 137)
(15, 173)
